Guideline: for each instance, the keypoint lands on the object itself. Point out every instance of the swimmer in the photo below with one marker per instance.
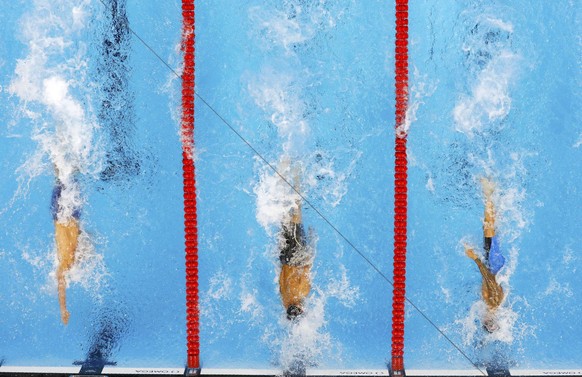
(296, 260)
(66, 236)
(491, 290)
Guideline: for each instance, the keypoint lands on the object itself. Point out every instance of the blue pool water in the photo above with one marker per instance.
(495, 91)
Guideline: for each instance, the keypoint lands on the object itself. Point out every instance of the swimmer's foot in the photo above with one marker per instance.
(65, 315)
(488, 187)
(293, 312)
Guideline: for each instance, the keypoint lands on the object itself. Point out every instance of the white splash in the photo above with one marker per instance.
(499, 24)
(489, 100)
(569, 257)
(472, 325)
(249, 297)
(278, 94)
(279, 28)
(558, 289)
(421, 88)
(342, 289)
(295, 25)
(324, 180)
(250, 304)
(430, 185)
(275, 198)
(213, 300)
(511, 216)
(51, 83)
(220, 287)
(305, 339)
(172, 87)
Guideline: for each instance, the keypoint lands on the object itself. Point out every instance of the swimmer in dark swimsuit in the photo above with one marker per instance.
(491, 290)
(296, 261)
(66, 237)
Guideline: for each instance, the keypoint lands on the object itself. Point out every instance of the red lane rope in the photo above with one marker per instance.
(190, 217)
(400, 187)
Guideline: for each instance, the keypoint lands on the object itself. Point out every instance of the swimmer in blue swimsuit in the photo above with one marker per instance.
(66, 236)
(491, 290)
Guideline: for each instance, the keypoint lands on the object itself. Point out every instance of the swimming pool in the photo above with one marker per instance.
(494, 92)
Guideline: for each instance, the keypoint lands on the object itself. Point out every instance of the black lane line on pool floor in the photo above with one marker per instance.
(304, 199)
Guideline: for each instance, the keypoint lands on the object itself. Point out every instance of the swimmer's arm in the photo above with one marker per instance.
(487, 275)
(482, 268)
(490, 289)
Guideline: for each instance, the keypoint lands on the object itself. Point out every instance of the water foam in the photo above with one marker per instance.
(305, 342)
(219, 292)
(325, 180)
(276, 26)
(489, 100)
(489, 53)
(52, 85)
(278, 94)
(421, 88)
(275, 198)
(297, 23)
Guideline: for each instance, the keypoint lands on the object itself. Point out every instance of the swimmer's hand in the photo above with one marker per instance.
(470, 253)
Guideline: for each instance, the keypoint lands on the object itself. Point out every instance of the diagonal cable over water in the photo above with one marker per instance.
(321, 215)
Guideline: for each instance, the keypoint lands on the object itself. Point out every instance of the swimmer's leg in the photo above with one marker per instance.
(491, 290)
(489, 217)
(66, 236)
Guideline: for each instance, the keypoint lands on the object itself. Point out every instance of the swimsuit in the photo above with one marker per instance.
(55, 207)
(495, 259)
(294, 249)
